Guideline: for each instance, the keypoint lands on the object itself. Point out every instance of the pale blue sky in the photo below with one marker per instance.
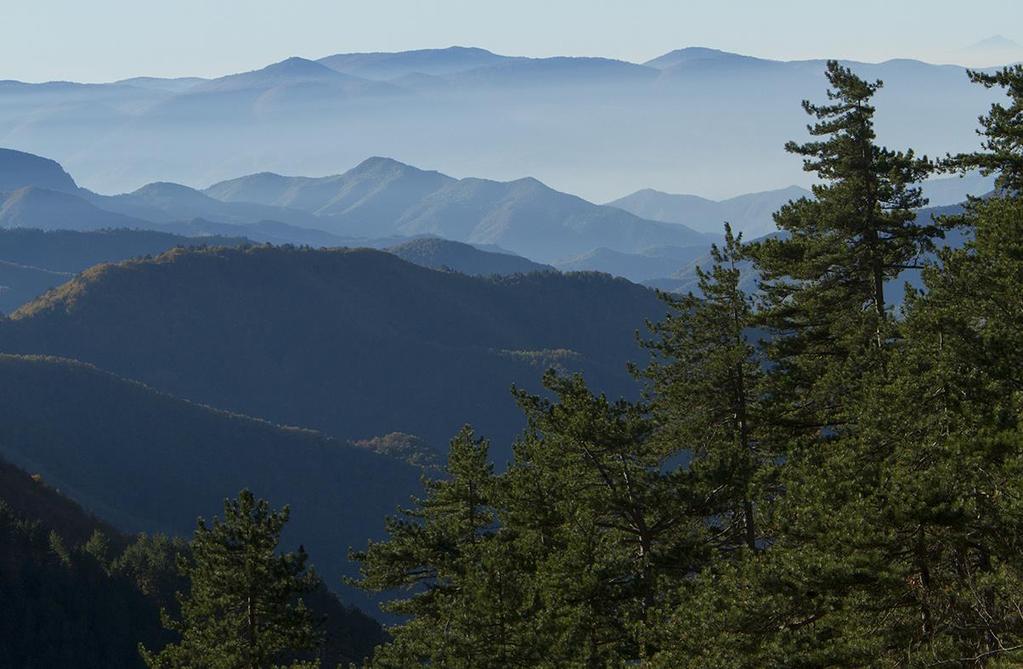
(102, 40)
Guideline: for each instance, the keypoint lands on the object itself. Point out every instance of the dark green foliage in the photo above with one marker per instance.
(244, 607)
(602, 521)
(438, 551)
(79, 593)
(60, 606)
(705, 388)
(824, 282)
(326, 338)
(895, 540)
(1001, 153)
(562, 559)
(954, 415)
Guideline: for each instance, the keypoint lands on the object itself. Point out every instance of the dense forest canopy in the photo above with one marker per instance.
(354, 342)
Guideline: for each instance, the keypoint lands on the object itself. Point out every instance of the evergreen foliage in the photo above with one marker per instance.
(1002, 130)
(244, 607)
(813, 479)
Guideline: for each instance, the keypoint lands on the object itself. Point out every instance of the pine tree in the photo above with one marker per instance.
(606, 521)
(814, 597)
(464, 591)
(823, 278)
(244, 608)
(704, 388)
(1002, 130)
(953, 416)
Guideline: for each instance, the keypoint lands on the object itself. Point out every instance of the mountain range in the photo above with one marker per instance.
(376, 203)
(382, 197)
(598, 127)
(477, 227)
(750, 214)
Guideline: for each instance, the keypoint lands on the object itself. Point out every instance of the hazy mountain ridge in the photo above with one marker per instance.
(381, 197)
(434, 62)
(164, 202)
(19, 169)
(464, 108)
(437, 253)
(382, 202)
(750, 214)
(35, 207)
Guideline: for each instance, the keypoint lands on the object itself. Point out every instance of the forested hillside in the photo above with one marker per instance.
(327, 422)
(32, 261)
(77, 592)
(61, 607)
(356, 343)
(148, 462)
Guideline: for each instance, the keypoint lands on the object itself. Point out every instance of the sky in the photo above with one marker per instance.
(105, 40)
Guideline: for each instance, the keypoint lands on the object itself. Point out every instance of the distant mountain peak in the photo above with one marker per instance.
(532, 182)
(375, 162)
(289, 70)
(168, 187)
(19, 169)
(994, 42)
(386, 65)
(693, 54)
(702, 52)
(298, 66)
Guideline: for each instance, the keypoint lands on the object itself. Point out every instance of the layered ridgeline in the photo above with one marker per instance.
(146, 461)
(34, 261)
(444, 254)
(377, 203)
(752, 213)
(595, 126)
(382, 203)
(356, 343)
(381, 197)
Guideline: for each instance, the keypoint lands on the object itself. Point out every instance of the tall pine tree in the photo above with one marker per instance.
(244, 608)
(463, 589)
(823, 277)
(705, 396)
